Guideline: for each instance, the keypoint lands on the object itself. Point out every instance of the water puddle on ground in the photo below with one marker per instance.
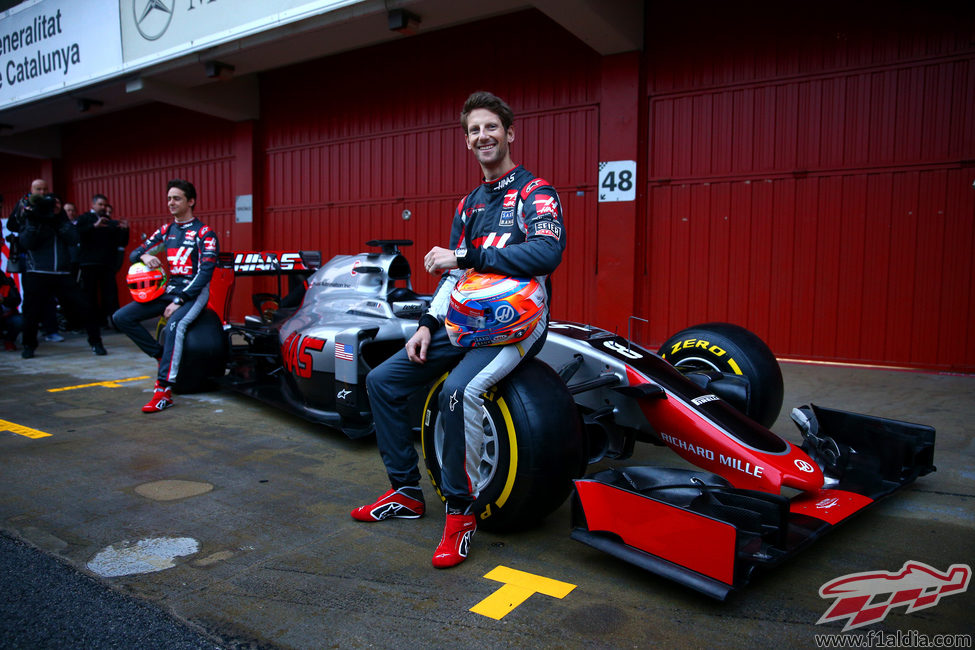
(143, 556)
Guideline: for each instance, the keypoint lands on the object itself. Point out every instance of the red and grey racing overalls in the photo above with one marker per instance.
(511, 226)
(191, 249)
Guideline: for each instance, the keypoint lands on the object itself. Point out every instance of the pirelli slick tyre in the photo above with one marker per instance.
(731, 349)
(205, 353)
(533, 447)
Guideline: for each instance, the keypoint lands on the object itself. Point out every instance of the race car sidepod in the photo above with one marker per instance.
(695, 528)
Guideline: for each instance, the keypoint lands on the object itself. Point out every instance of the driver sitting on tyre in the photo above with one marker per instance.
(192, 250)
(506, 237)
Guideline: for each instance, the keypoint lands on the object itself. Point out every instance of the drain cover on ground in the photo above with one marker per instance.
(144, 556)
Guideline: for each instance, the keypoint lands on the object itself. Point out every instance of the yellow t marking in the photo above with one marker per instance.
(113, 383)
(22, 430)
(518, 587)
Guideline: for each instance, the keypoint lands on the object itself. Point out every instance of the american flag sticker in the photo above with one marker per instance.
(344, 351)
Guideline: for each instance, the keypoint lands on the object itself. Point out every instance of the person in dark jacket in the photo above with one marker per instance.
(48, 237)
(100, 238)
(15, 222)
(49, 320)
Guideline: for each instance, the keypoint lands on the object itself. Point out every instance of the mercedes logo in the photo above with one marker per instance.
(152, 17)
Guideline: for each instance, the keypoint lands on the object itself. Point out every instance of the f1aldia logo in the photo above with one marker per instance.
(152, 17)
(864, 598)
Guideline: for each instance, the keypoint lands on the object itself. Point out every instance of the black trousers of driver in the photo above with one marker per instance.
(512, 226)
(169, 349)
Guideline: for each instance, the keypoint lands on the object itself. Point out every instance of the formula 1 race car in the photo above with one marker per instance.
(589, 395)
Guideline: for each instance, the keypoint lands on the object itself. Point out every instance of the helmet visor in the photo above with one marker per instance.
(469, 316)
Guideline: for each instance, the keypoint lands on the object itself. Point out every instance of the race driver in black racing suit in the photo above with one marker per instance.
(191, 249)
(510, 225)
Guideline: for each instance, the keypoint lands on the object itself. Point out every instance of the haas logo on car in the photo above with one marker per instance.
(267, 261)
(622, 350)
(296, 352)
(864, 598)
(804, 466)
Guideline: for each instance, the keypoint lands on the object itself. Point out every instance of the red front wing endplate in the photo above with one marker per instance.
(694, 527)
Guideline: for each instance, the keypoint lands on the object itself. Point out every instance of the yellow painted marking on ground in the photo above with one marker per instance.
(22, 430)
(112, 383)
(518, 587)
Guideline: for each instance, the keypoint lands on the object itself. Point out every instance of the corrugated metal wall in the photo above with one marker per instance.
(354, 140)
(811, 179)
(16, 174)
(130, 156)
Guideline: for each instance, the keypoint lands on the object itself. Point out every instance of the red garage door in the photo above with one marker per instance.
(812, 181)
(131, 155)
(368, 145)
(16, 174)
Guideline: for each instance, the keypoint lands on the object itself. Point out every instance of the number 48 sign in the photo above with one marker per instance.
(617, 180)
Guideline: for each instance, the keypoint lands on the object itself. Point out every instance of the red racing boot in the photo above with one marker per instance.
(162, 399)
(455, 542)
(403, 503)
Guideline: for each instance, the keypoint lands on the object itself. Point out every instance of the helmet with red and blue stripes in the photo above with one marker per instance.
(492, 309)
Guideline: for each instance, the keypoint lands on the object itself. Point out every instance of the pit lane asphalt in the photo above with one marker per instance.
(275, 560)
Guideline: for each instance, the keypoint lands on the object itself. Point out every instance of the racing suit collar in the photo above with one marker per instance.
(503, 182)
(185, 224)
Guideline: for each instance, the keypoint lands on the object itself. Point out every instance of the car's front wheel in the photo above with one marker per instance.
(731, 349)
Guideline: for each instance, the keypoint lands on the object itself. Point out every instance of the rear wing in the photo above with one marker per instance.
(270, 262)
(297, 265)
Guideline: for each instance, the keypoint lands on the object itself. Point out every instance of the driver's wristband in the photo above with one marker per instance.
(430, 322)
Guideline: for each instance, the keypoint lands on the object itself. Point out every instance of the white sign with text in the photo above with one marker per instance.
(50, 46)
(617, 181)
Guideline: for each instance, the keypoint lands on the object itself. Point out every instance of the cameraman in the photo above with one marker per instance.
(17, 260)
(15, 264)
(48, 238)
